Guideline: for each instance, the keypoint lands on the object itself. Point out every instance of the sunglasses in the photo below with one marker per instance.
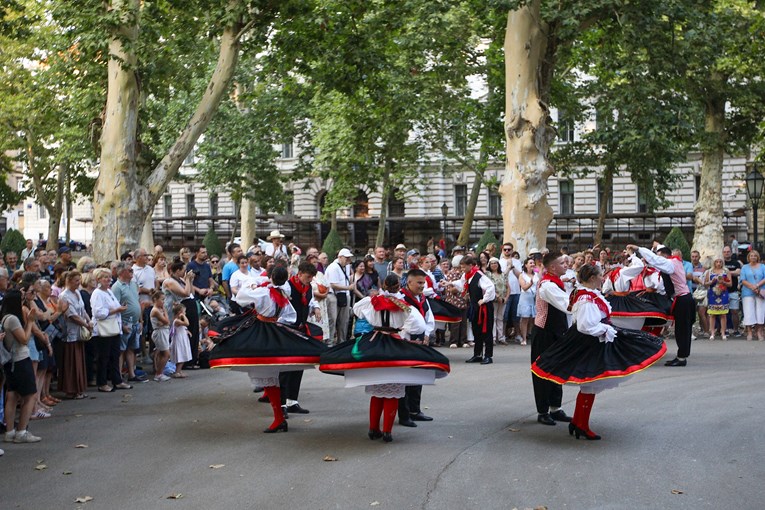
(258, 253)
(507, 249)
(214, 261)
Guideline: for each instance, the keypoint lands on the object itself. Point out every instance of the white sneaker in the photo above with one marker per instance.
(9, 436)
(1, 452)
(453, 346)
(161, 378)
(25, 436)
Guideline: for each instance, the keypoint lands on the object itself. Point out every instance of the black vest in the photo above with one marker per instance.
(557, 321)
(297, 303)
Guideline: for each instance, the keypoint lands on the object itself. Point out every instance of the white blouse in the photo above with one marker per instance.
(260, 298)
(588, 317)
(410, 322)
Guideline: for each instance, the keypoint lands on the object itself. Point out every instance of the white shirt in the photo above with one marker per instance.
(553, 295)
(512, 275)
(487, 286)
(144, 277)
(101, 301)
(260, 298)
(588, 317)
(338, 275)
(410, 321)
(238, 280)
(280, 253)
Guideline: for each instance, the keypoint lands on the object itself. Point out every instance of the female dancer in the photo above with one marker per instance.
(593, 353)
(381, 360)
(260, 343)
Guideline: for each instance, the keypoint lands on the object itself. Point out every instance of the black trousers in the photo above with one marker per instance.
(192, 313)
(289, 383)
(546, 393)
(684, 312)
(484, 340)
(410, 403)
(108, 352)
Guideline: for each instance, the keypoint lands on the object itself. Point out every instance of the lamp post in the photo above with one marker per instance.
(444, 214)
(755, 183)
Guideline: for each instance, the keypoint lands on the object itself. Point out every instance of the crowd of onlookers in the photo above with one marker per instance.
(80, 326)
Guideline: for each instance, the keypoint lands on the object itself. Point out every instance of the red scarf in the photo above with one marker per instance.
(388, 304)
(414, 299)
(614, 274)
(588, 295)
(429, 281)
(552, 278)
(472, 272)
(675, 257)
(279, 298)
(302, 289)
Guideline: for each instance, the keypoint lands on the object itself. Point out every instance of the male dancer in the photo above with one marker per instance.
(301, 298)
(550, 324)
(409, 407)
(481, 292)
(683, 305)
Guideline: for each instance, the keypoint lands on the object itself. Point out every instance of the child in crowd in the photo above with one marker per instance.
(160, 334)
(180, 346)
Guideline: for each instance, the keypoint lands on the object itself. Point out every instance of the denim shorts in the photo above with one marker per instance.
(131, 340)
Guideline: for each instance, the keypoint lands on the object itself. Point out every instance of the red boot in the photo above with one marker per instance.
(275, 398)
(375, 412)
(580, 423)
(390, 408)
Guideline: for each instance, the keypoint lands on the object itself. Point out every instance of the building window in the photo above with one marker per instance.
(361, 205)
(289, 202)
(189, 161)
(697, 184)
(566, 190)
(565, 128)
(642, 200)
(213, 204)
(495, 202)
(396, 206)
(287, 151)
(460, 199)
(167, 203)
(191, 208)
(42, 212)
(604, 194)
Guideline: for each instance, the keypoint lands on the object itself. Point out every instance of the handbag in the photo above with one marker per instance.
(700, 293)
(342, 299)
(84, 335)
(109, 326)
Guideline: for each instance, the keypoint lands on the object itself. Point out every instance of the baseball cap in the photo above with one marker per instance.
(412, 252)
(345, 252)
(64, 249)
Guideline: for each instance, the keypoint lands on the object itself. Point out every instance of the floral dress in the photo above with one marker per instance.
(717, 295)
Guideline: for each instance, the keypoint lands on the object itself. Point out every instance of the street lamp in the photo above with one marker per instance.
(755, 183)
(444, 214)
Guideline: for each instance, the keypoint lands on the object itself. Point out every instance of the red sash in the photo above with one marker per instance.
(388, 303)
(302, 289)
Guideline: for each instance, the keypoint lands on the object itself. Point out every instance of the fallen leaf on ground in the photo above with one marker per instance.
(81, 446)
(83, 499)
(329, 458)
(175, 496)
(78, 415)
(195, 421)
(677, 491)
(66, 473)
(514, 430)
(374, 503)
(216, 466)
(40, 467)
(308, 420)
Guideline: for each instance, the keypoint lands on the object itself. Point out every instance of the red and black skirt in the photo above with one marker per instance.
(443, 311)
(382, 349)
(579, 359)
(249, 341)
(652, 306)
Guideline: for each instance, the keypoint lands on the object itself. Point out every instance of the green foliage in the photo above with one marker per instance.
(212, 243)
(676, 240)
(487, 238)
(14, 241)
(332, 244)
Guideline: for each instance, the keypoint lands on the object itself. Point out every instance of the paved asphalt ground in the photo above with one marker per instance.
(686, 438)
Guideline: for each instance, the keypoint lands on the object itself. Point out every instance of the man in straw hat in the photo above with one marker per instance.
(276, 248)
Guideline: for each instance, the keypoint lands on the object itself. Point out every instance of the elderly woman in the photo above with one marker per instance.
(87, 286)
(753, 283)
(107, 326)
(718, 282)
(160, 269)
(53, 323)
(72, 377)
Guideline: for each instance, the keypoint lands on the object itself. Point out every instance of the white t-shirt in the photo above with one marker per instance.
(144, 277)
(282, 252)
(237, 279)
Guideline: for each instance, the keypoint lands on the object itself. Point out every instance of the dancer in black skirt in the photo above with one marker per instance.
(384, 360)
(636, 295)
(260, 343)
(593, 353)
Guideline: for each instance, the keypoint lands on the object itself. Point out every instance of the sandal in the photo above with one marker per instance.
(56, 400)
(176, 375)
(48, 401)
(123, 386)
(80, 396)
(105, 389)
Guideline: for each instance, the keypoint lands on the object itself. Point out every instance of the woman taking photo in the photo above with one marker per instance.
(19, 374)
(72, 378)
(107, 319)
(527, 308)
(718, 282)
